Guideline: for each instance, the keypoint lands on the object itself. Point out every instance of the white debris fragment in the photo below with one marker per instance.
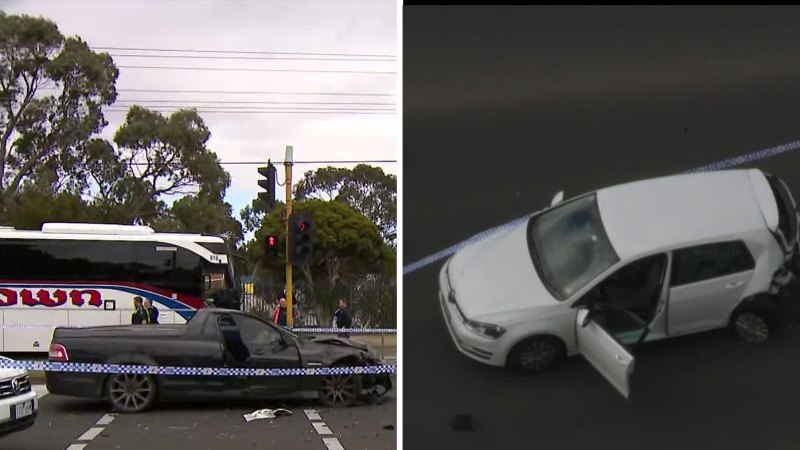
(266, 414)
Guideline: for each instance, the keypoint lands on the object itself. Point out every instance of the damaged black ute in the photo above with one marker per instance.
(215, 338)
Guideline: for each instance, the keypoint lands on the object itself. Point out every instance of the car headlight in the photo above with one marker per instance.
(485, 329)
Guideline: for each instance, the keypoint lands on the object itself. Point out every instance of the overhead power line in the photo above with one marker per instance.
(252, 163)
(252, 108)
(248, 69)
(204, 91)
(208, 111)
(252, 58)
(248, 102)
(242, 52)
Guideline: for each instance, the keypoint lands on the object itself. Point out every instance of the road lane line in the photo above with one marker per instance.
(106, 419)
(94, 431)
(91, 433)
(322, 428)
(312, 414)
(332, 443)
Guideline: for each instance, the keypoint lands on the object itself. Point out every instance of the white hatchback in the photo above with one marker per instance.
(603, 272)
(19, 403)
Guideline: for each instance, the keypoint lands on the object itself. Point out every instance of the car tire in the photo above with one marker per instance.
(752, 325)
(536, 355)
(131, 393)
(340, 391)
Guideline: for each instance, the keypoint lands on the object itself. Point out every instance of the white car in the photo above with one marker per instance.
(19, 403)
(605, 271)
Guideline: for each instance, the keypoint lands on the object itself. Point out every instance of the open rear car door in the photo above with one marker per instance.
(606, 336)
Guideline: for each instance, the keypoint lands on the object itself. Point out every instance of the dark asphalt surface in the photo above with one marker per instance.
(503, 107)
(206, 425)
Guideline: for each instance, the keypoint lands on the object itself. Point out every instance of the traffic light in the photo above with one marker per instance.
(300, 238)
(272, 246)
(268, 183)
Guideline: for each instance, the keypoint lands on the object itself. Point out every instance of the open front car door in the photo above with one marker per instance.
(606, 336)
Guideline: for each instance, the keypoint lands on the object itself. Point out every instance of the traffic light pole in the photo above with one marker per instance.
(288, 162)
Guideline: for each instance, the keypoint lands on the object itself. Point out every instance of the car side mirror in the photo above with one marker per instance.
(557, 198)
(587, 318)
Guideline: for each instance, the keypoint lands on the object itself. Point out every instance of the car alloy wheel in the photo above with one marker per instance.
(340, 390)
(537, 355)
(128, 392)
(752, 327)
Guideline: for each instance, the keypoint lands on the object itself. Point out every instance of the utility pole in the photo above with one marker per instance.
(288, 162)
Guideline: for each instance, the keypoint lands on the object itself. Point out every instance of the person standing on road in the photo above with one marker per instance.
(280, 312)
(342, 319)
(139, 316)
(151, 311)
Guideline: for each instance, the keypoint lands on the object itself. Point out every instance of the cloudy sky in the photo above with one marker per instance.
(352, 36)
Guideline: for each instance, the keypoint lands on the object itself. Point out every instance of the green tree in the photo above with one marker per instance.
(38, 129)
(201, 214)
(345, 242)
(37, 204)
(367, 189)
(155, 156)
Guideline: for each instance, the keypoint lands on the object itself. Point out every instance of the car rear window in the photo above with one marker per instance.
(705, 262)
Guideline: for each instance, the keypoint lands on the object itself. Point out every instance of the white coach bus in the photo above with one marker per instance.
(79, 274)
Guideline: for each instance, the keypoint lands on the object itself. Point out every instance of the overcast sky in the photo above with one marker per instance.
(366, 27)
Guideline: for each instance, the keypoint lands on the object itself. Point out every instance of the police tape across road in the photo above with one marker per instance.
(293, 330)
(51, 366)
(719, 165)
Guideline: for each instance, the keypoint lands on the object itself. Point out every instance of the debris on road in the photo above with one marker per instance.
(462, 422)
(266, 414)
(388, 427)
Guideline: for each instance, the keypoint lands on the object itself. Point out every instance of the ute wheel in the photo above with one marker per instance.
(536, 355)
(131, 393)
(752, 325)
(340, 391)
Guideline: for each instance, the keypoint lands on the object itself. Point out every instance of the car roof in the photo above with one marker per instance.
(646, 216)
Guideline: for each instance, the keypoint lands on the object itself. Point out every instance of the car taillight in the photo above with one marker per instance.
(58, 353)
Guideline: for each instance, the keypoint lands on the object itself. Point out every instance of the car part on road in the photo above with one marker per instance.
(131, 393)
(266, 414)
(462, 422)
(536, 355)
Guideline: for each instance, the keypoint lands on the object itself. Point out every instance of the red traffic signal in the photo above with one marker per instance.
(303, 226)
(272, 245)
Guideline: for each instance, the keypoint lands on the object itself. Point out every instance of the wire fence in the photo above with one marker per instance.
(372, 300)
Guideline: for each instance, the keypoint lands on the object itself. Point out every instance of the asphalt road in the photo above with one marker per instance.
(503, 107)
(63, 422)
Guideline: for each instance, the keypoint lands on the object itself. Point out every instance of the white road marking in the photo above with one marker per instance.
(40, 389)
(91, 433)
(312, 414)
(94, 431)
(106, 419)
(332, 443)
(322, 428)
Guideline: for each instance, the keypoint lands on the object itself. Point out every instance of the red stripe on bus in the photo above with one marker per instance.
(189, 300)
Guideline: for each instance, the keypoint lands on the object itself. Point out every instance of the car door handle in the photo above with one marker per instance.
(621, 359)
(734, 285)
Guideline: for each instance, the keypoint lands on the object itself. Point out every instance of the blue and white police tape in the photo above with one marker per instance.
(345, 330)
(51, 366)
(294, 330)
(719, 165)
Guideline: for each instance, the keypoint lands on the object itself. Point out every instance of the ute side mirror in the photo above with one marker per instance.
(557, 198)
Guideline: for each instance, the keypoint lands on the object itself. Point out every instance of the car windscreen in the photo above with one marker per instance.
(569, 245)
